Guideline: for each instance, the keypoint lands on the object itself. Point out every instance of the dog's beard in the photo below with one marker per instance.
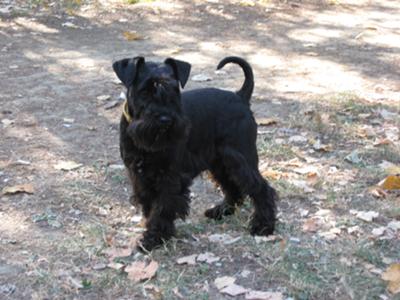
(150, 136)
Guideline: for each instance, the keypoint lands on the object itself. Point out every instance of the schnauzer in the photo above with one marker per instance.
(167, 138)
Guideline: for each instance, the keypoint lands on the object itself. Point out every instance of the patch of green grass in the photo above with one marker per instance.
(368, 252)
(376, 155)
(267, 147)
(286, 189)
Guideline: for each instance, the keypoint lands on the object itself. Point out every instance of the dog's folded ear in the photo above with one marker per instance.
(181, 69)
(126, 69)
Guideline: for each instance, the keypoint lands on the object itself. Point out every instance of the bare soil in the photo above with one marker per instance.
(326, 71)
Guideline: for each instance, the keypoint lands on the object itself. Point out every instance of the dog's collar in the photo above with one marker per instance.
(125, 112)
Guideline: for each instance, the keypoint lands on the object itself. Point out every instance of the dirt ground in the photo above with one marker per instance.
(327, 97)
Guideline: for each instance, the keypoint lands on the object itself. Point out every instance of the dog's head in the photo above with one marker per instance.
(154, 100)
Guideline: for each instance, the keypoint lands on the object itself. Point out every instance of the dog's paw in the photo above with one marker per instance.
(218, 211)
(260, 226)
(148, 243)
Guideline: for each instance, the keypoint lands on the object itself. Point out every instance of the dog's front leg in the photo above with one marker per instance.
(171, 203)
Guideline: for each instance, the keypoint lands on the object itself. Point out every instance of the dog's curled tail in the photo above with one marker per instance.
(247, 88)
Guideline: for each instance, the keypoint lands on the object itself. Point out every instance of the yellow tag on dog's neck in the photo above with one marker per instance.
(125, 112)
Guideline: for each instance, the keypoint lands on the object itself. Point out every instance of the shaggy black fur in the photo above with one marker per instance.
(173, 137)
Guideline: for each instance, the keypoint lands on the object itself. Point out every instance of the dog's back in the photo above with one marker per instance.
(221, 116)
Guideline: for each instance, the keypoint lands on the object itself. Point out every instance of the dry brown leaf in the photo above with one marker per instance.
(272, 174)
(190, 260)
(116, 266)
(139, 271)
(258, 295)
(233, 290)
(223, 239)
(207, 257)
(270, 238)
(266, 121)
(282, 244)
(381, 142)
(295, 162)
(224, 281)
(306, 170)
(117, 252)
(247, 3)
(20, 188)
(392, 275)
(392, 182)
(132, 36)
(67, 165)
(366, 216)
(377, 192)
(379, 231)
(311, 225)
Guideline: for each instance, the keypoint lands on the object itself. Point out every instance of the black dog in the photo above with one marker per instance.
(168, 138)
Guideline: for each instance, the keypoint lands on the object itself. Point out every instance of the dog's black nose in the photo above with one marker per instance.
(165, 120)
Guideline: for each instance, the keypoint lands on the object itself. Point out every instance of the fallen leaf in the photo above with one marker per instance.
(99, 267)
(115, 266)
(207, 257)
(69, 120)
(258, 295)
(270, 238)
(139, 271)
(67, 165)
(224, 281)
(247, 3)
(272, 174)
(7, 122)
(354, 229)
(76, 283)
(330, 234)
(21, 188)
(117, 252)
(266, 121)
(201, 78)
(392, 182)
(311, 225)
(367, 216)
(233, 290)
(132, 36)
(190, 260)
(379, 231)
(310, 171)
(7, 9)
(384, 141)
(392, 275)
(103, 97)
(225, 239)
(377, 192)
(295, 162)
(245, 273)
(394, 225)
(303, 212)
(298, 139)
(69, 25)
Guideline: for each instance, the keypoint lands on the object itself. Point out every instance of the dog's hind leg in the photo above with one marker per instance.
(232, 193)
(247, 176)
